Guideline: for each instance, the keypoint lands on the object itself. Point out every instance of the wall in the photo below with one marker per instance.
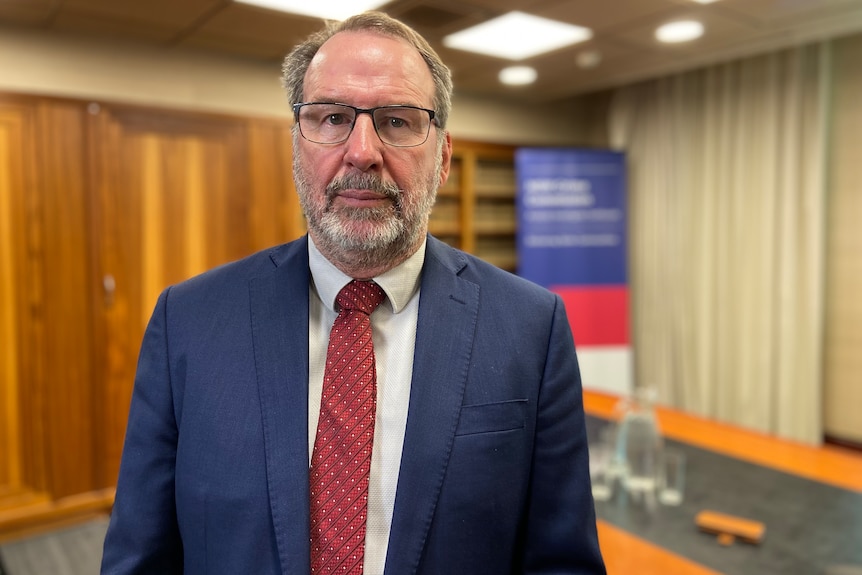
(843, 327)
(63, 65)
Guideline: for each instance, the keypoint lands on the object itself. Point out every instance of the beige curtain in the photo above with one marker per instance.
(727, 204)
(842, 363)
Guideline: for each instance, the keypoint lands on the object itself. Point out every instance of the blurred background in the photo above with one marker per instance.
(144, 142)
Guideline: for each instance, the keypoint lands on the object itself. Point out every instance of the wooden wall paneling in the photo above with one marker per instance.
(11, 238)
(115, 249)
(25, 472)
(64, 314)
(186, 220)
(47, 385)
(133, 224)
(31, 351)
(275, 214)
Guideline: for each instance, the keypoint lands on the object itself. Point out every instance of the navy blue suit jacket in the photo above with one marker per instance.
(494, 474)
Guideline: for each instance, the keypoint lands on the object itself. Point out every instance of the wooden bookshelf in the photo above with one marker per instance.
(475, 210)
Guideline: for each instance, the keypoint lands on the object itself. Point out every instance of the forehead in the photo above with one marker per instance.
(368, 64)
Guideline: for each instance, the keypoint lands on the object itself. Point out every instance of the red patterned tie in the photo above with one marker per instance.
(341, 458)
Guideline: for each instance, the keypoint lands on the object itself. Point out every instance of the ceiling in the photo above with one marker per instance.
(623, 33)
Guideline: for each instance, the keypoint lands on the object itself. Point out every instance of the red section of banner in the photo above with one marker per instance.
(599, 315)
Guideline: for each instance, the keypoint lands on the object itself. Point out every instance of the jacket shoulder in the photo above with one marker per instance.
(236, 274)
(485, 274)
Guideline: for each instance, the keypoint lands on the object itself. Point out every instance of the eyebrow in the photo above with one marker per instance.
(344, 103)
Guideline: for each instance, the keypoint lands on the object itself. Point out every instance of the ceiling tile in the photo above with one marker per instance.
(720, 30)
(623, 32)
(502, 6)
(173, 14)
(598, 17)
(436, 18)
(107, 28)
(252, 31)
(27, 12)
(778, 13)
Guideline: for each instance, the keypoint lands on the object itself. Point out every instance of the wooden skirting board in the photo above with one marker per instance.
(42, 516)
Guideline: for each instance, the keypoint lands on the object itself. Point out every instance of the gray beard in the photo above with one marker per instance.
(389, 241)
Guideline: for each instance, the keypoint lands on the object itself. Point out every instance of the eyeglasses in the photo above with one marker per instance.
(401, 126)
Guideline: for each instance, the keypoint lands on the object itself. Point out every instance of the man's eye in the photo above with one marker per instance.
(337, 119)
(394, 122)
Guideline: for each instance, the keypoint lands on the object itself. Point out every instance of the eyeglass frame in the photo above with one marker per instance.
(432, 117)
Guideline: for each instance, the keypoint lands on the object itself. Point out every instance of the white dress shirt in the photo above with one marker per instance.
(393, 327)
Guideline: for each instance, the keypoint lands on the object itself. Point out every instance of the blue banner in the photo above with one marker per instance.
(571, 216)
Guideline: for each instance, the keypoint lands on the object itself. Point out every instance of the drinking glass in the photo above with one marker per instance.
(671, 477)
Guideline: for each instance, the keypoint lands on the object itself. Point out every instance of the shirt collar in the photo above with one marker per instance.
(400, 283)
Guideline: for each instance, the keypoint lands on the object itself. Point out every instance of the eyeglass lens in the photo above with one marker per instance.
(395, 125)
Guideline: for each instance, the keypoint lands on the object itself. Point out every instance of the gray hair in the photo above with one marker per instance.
(296, 63)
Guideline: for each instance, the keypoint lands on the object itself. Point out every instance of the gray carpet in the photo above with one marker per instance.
(73, 551)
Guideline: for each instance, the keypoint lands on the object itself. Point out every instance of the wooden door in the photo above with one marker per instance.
(101, 207)
(174, 194)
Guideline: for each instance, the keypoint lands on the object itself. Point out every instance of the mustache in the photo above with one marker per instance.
(364, 182)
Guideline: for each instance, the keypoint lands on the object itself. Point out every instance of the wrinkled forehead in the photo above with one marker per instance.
(372, 61)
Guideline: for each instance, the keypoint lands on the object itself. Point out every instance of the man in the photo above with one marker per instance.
(478, 453)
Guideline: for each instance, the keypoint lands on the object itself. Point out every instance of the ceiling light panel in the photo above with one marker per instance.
(518, 75)
(328, 9)
(517, 36)
(682, 31)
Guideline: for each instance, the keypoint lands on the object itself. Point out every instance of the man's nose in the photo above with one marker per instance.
(364, 148)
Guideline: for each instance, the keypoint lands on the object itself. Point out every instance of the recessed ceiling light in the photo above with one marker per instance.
(329, 9)
(588, 59)
(705, 1)
(516, 36)
(682, 31)
(518, 75)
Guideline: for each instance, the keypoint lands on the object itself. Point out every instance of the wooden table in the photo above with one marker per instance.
(625, 553)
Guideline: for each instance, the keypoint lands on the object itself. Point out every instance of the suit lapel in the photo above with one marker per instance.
(448, 310)
(279, 318)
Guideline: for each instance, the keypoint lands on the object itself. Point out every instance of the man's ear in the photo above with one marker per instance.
(446, 164)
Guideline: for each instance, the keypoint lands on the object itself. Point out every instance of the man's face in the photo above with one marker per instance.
(365, 200)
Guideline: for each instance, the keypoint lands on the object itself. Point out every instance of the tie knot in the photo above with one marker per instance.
(364, 296)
